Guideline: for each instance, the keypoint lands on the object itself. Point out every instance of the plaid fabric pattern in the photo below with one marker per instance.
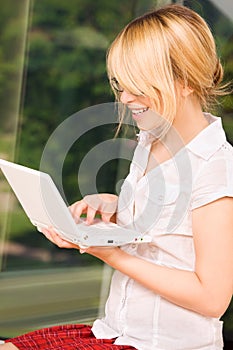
(66, 337)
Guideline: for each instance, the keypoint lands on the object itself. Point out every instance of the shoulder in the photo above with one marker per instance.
(210, 151)
(214, 177)
(219, 163)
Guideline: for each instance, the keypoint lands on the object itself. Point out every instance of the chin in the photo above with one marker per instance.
(147, 127)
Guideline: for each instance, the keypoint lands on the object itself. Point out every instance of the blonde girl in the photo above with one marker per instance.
(168, 294)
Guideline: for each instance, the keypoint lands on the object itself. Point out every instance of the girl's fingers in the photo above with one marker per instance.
(77, 209)
(83, 207)
(103, 204)
(54, 237)
(91, 212)
(106, 217)
(47, 233)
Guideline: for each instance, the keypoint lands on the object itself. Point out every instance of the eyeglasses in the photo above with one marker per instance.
(116, 86)
(119, 89)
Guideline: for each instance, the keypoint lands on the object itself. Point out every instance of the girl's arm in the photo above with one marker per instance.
(209, 288)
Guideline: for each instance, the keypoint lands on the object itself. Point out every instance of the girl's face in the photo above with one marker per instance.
(141, 108)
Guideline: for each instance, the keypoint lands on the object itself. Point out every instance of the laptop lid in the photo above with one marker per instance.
(39, 198)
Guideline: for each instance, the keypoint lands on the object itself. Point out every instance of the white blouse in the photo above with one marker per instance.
(160, 204)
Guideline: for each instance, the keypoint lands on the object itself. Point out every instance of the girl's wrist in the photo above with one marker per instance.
(115, 257)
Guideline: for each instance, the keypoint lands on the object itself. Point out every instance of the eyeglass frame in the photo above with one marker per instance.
(116, 86)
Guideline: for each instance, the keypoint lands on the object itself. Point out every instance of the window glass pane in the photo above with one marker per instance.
(62, 63)
(13, 22)
(52, 62)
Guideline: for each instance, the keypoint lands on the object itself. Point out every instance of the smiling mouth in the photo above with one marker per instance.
(139, 111)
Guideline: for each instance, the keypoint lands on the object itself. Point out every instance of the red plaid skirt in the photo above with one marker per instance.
(65, 337)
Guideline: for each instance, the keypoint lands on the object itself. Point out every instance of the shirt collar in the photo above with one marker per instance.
(209, 140)
(204, 145)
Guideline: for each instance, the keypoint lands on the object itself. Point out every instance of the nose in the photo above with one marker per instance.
(127, 97)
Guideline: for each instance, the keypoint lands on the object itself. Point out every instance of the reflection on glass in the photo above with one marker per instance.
(57, 71)
(13, 22)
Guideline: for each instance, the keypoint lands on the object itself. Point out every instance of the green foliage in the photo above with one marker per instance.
(11, 60)
(64, 72)
(222, 28)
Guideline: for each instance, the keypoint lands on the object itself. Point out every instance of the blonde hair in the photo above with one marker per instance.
(165, 46)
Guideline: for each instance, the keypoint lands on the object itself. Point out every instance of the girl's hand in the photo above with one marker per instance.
(104, 204)
(99, 252)
(109, 255)
(54, 237)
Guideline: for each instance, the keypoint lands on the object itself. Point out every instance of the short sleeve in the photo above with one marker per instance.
(214, 181)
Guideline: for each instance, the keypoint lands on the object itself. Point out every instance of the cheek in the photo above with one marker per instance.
(146, 101)
(154, 105)
(153, 119)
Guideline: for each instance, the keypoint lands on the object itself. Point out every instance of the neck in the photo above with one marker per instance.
(189, 120)
(187, 124)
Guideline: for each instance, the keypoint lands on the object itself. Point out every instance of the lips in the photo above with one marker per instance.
(138, 112)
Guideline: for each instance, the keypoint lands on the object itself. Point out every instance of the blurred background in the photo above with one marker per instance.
(52, 64)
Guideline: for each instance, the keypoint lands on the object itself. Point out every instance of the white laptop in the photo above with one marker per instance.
(45, 207)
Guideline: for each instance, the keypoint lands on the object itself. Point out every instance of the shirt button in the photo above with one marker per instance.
(160, 198)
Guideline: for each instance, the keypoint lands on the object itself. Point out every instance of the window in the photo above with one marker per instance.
(52, 61)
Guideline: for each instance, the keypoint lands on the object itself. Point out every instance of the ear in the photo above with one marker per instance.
(186, 91)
